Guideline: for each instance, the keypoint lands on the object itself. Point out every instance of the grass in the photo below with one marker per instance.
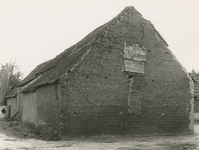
(28, 130)
(45, 132)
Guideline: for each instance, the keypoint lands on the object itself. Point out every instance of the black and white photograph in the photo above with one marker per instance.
(99, 75)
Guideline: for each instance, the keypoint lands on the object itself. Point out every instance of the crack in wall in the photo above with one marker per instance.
(129, 105)
(142, 37)
(134, 102)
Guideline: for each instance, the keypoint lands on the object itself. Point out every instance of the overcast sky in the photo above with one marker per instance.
(33, 31)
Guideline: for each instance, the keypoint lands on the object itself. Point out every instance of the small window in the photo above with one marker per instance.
(134, 58)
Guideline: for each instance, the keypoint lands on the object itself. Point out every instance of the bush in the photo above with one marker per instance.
(45, 132)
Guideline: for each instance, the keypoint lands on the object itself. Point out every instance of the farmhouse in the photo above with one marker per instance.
(121, 78)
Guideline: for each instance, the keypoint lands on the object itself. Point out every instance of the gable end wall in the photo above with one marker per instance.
(94, 99)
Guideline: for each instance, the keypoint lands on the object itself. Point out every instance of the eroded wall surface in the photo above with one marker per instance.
(100, 97)
(28, 104)
(47, 105)
(95, 99)
(40, 107)
(12, 102)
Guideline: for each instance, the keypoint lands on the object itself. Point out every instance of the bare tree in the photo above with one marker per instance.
(9, 78)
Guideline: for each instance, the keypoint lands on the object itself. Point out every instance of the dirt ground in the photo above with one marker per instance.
(22, 140)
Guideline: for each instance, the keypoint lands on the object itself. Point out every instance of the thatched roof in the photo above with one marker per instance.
(34, 73)
(52, 70)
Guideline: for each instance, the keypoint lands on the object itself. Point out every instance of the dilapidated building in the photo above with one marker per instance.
(121, 78)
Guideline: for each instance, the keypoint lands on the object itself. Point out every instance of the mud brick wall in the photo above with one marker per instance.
(47, 105)
(41, 106)
(94, 99)
(12, 102)
(28, 104)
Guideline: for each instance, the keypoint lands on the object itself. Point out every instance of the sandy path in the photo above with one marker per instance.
(190, 142)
